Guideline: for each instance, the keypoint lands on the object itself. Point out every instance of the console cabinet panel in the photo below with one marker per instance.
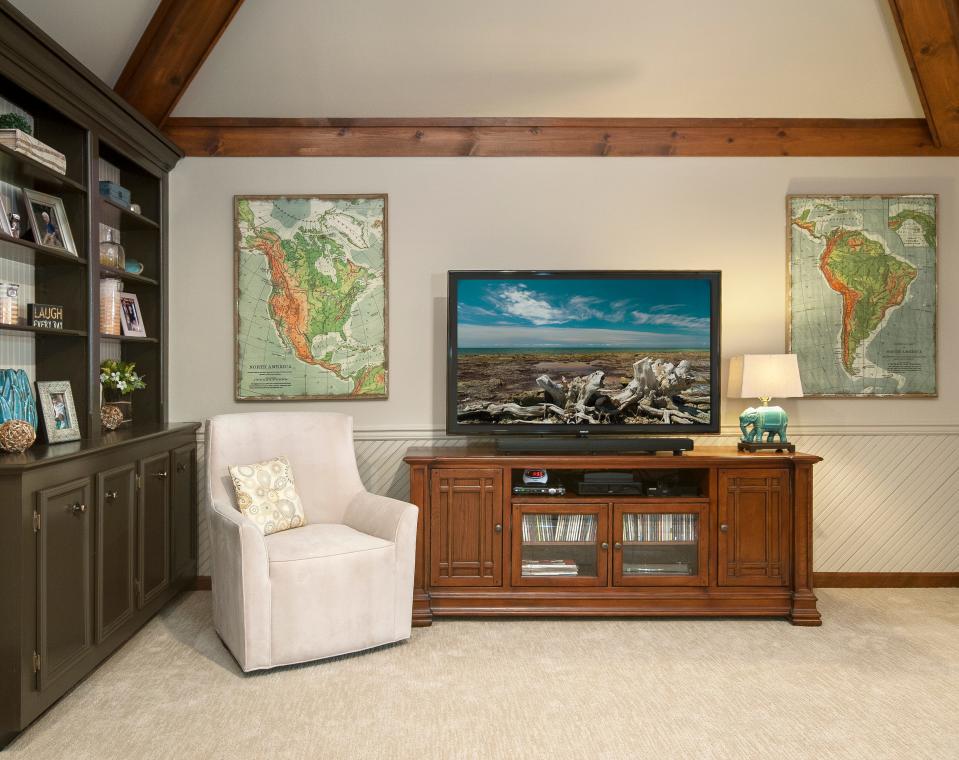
(661, 544)
(64, 579)
(154, 521)
(560, 544)
(183, 512)
(466, 527)
(116, 548)
(754, 528)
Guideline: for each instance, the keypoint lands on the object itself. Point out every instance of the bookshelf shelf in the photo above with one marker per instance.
(122, 274)
(22, 168)
(126, 215)
(38, 251)
(45, 331)
(128, 338)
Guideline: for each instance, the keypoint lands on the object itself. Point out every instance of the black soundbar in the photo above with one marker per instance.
(560, 445)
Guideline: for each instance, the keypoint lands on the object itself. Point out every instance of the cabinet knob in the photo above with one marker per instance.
(604, 545)
(617, 546)
(79, 509)
(161, 475)
(724, 528)
(498, 528)
(110, 495)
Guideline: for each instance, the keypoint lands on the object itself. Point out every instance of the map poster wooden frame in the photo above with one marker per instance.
(238, 396)
(935, 288)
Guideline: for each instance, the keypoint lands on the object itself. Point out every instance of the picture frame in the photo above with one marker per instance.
(60, 421)
(889, 351)
(4, 219)
(48, 221)
(131, 316)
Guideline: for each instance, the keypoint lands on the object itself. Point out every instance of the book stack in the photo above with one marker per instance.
(663, 527)
(550, 567)
(561, 527)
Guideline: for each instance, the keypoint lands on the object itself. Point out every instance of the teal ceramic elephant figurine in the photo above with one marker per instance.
(771, 420)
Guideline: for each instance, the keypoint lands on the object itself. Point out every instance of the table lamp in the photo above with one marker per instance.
(764, 376)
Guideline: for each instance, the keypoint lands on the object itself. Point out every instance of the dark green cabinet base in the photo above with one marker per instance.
(93, 543)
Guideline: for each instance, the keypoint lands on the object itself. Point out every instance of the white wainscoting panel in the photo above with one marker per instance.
(885, 500)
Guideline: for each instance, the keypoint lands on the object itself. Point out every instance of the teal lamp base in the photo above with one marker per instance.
(760, 427)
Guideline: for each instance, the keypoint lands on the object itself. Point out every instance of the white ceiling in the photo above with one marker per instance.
(106, 36)
(682, 58)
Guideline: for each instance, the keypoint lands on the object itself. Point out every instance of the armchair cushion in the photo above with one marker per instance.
(320, 540)
(266, 493)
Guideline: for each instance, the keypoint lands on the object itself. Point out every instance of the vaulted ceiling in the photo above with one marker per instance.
(606, 58)
(611, 77)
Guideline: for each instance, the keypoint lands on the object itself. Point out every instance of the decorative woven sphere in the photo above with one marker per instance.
(111, 416)
(17, 436)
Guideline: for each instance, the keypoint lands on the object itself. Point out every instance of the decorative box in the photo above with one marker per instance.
(31, 147)
(115, 192)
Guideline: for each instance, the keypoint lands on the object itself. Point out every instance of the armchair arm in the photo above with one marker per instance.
(381, 516)
(395, 521)
(241, 586)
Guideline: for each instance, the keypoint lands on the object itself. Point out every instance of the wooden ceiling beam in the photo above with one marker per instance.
(553, 137)
(929, 30)
(174, 45)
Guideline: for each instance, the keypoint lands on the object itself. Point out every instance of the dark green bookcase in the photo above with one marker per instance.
(96, 535)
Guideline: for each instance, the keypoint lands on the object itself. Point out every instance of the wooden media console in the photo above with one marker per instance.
(714, 532)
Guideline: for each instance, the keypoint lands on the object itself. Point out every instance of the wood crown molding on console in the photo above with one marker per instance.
(445, 137)
(929, 30)
(174, 45)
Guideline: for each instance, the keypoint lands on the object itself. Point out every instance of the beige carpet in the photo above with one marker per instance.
(879, 680)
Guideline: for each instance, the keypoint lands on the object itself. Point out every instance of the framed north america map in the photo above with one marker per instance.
(862, 294)
(311, 297)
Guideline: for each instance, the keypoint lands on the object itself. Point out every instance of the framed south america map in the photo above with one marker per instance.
(311, 297)
(862, 294)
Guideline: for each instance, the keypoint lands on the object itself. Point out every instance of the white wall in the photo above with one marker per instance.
(669, 213)
(598, 213)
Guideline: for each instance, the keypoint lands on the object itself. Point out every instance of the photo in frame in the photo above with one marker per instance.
(60, 421)
(131, 316)
(48, 221)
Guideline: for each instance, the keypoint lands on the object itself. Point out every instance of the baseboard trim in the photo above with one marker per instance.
(820, 580)
(886, 580)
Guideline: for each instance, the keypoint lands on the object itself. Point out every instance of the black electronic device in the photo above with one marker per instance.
(523, 346)
(587, 445)
(539, 491)
(613, 488)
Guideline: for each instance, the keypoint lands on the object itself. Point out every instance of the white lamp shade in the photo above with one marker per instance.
(764, 376)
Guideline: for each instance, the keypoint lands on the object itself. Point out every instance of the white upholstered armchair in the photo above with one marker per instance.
(341, 583)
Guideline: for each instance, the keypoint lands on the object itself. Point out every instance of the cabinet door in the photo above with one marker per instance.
(560, 544)
(64, 578)
(660, 544)
(183, 511)
(154, 527)
(754, 527)
(466, 528)
(116, 548)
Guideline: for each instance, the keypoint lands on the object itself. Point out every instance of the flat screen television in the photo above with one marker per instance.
(582, 352)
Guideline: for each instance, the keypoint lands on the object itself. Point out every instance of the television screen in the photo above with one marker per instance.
(539, 352)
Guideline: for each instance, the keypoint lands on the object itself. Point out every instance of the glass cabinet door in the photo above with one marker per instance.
(658, 545)
(560, 545)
